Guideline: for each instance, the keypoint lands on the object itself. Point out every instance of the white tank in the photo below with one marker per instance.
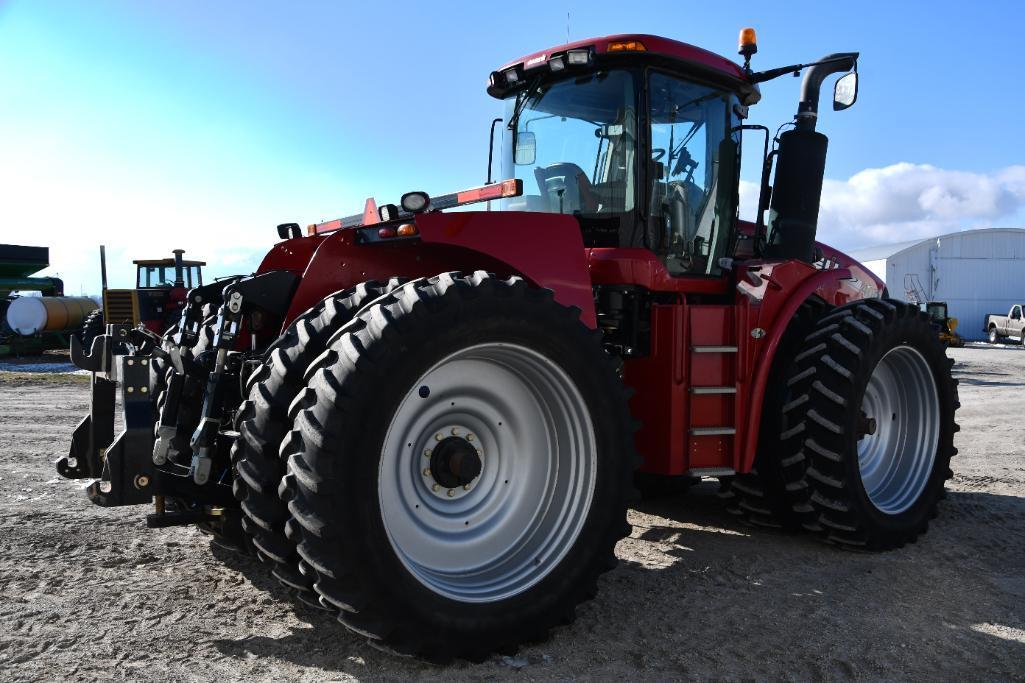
(30, 315)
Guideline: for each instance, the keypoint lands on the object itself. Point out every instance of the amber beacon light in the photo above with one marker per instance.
(747, 45)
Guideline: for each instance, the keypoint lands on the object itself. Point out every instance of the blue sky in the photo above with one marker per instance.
(148, 126)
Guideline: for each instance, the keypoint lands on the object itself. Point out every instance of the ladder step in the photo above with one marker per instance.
(714, 349)
(712, 431)
(713, 390)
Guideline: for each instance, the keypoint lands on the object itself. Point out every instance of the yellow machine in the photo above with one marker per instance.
(945, 325)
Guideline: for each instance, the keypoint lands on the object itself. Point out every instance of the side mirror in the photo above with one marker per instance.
(845, 92)
(526, 148)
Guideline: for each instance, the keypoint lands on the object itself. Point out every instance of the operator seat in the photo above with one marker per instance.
(567, 188)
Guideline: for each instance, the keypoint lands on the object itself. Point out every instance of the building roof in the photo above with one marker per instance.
(885, 251)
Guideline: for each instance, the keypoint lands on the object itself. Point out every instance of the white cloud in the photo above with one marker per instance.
(907, 201)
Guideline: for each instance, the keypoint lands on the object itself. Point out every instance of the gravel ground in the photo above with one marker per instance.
(88, 593)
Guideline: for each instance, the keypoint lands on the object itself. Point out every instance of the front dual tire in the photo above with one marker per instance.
(459, 467)
(876, 423)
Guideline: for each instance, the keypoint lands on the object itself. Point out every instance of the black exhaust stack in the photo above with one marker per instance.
(179, 271)
(797, 190)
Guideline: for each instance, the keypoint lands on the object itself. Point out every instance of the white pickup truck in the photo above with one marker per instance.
(1002, 326)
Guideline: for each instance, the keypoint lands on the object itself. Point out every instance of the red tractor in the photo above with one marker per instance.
(430, 422)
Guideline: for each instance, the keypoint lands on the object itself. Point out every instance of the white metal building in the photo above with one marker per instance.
(975, 271)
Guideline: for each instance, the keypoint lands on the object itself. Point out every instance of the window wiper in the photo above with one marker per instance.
(521, 103)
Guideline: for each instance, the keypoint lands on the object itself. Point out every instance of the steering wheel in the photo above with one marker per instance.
(571, 172)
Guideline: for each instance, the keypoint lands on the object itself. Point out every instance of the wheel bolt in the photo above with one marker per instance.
(427, 471)
(436, 487)
(451, 493)
(470, 437)
(439, 436)
(455, 431)
(427, 453)
(466, 487)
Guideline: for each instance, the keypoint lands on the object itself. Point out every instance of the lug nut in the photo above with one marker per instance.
(455, 431)
(470, 437)
(451, 493)
(427, 471)
(436, 487)
(439, 436)
(427, 452)
(466, 487)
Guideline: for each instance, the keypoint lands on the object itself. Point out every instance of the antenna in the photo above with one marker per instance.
(567, 28)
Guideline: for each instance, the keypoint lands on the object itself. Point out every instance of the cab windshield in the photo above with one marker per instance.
(937, 311)
(155, 276)
(574, 146)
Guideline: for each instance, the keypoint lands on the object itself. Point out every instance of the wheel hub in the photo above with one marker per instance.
(455, 462)
(898, 430)
(484, 484)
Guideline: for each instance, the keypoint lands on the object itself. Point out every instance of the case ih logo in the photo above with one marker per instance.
(534, 61)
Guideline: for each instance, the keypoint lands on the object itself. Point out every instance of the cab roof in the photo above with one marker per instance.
(653, 45)
(166, 262)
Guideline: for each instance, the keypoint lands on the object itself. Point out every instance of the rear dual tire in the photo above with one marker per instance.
(485, 550)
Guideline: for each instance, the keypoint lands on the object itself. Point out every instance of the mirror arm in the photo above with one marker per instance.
(808, 108)
(763, 189)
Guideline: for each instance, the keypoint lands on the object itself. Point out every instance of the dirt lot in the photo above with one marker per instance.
(87, 593)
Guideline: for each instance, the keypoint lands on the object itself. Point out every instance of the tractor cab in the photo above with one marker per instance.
(161, 286)
(168, 273)
(639, 137)
(642, 148)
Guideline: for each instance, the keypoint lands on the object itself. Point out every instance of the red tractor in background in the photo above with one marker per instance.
(430, 422)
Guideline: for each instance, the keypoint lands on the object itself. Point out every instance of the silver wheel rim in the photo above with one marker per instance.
(505, 530)
(896, 460)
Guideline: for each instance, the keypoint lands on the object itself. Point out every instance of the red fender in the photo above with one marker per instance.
(776, 292)
(547, 250)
